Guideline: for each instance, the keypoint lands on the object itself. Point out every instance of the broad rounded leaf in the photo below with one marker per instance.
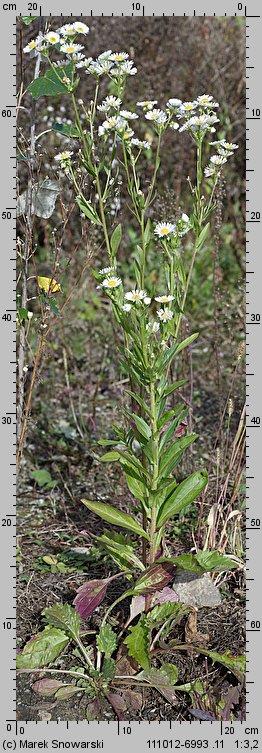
(183, 495)
(42, 649)
(51, 84)
(137, 643)
(115, 517)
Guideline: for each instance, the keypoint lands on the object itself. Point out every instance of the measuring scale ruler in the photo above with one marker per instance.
(144, 735)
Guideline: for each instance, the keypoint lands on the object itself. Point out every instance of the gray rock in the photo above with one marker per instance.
(196, 590)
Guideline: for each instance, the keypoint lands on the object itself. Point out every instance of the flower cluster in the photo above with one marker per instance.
(225, 149)
(169, 231)
(63, 37)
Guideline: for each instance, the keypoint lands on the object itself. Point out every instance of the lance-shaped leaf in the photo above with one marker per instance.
(184, 494)
(154, 578)
(137, 643)
(142, 426)
(106, 641)
(90, 595)
(204, 562)
(173, 454)
(65, 617)
(235, 664)
(159, 680)
(115, 239)
(125, 552)
(46, 687)
(89, 211)
(115, 517)
(42, 649)
(163, 612)
(66, 692)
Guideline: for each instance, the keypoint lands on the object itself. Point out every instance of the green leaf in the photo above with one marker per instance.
(115, 517)
(142, 426)
(28, 19)
(137, 488)
(51, 84)
(71, 131)
(109, 668)
(159, 680)
(171, 671)
(106, 641)
(43, 478)
(42, 649)
(173, 387)
(183, 495)
(115, 239)
(203, 236)
(236, 664)
(147, 235)
(22, 314)
(63, 694)
(185, 343)
(137, 643)
(162, 612)
(89, 211)
(173, 453)
(215, 562)
(122, 551)
(110, 457)
(65, 617)
(188, 562)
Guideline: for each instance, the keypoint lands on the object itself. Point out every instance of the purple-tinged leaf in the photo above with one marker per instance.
(203, 716)
(89, 596)
(137, 606)
(155, 578)
(167, 594)
(46, 687)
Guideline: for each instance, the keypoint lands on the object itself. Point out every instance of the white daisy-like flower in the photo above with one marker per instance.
(203, 122)
(162, 229)
(128, 115)
(135, 296)
(164, 298)
(186, 107)
(114, 122)
(99, 68)
(227, 145)
(85, 63)
(106, 270)
(141, 144)
(126, 68)
(52, 37)
(157, 116)
(108, 103)
(111, 282)
(71, 49)
(104, 55)
(34, 44)
(119, 57)
(63, 156)
(165, 315)
(147, 103)
(126, 134)
(206, 100)
(174, 125)
(217, 160)
(210, 171)
(173, 103)
(81, 28)
(147, 300)
(68, 30)
(127, 307)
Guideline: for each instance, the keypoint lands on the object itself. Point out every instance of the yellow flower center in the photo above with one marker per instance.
(70, 49)
(52, 39)
(119, 57)
(228, 146)
(164, 231)
(64, 155)
(188, 107)
(32, 45)
(112, 283)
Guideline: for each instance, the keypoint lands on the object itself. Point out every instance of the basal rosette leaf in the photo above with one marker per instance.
(106, 641)
(42, 649)
(137, 643)
(65, 617)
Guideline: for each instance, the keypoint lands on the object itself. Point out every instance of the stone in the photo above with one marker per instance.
(196, 590)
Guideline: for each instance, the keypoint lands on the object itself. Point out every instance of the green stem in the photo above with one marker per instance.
(142, 224)
(182, 307)
(155, 453)
(157, 162)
